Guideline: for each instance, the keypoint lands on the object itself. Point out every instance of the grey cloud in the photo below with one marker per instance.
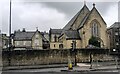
(119, 11)
(71, 8)
(40, 14)
(34, 15)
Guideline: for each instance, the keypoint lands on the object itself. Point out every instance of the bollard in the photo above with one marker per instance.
(70, 65)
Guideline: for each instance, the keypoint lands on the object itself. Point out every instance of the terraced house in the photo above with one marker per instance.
(86, 26)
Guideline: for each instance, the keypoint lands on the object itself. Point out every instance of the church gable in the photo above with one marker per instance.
(93, 25)
(95, 15)
(77, 19)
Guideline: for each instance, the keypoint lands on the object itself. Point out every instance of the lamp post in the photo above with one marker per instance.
(116, 58)
(9, 48)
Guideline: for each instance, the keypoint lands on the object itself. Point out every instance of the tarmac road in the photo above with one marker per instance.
(60, 73)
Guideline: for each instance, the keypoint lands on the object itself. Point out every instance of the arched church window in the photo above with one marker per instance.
(95, 29)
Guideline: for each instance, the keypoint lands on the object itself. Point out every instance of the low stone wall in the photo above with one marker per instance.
(52, 56)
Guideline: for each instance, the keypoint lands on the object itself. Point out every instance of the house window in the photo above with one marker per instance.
(17, 43)
(61, 46)
(36, 42)
(25, 43)
(116, 33)
(55, 38)
(117, 43)
(54, 45)
(37, 36)
(95, 29)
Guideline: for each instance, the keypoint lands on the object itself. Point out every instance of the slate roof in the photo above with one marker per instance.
(23, 35)
(26, 35)
(44, 38)
(115, 25)
(71, 22)
(84, 17)
(55, 31)
(44, 33)
(72, 34)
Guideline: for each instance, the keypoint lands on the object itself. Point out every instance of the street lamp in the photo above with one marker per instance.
(9, 47)
(116, 58)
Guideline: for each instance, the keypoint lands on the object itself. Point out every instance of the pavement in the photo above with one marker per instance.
(81, 67)
(33, 67)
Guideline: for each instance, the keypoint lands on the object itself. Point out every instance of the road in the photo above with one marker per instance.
(82, 69)
(60, 73)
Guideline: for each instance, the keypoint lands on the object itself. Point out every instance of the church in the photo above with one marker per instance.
(86, 29)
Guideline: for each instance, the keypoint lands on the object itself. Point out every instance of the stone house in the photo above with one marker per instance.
(4, 41)
(54, 38)
(29, 39)
(68, 37)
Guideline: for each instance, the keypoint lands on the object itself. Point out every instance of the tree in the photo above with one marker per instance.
(94, 41)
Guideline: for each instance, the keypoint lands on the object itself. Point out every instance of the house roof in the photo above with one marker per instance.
(55, 31)
(115, 25)
(72, 34)
(43, 35)
(71, 22)
(44, 38)
(27, 35)
(23, 35)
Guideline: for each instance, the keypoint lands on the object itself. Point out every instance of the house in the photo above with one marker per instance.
(114, 35)
(4, 41)
(54, 38)
(68, 37)
(29, 39)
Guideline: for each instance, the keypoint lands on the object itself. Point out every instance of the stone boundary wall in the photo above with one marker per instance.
(51, 56)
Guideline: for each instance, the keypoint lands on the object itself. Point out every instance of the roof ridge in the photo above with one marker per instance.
(70, 23)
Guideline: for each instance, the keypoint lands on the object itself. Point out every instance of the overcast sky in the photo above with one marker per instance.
(45, 15)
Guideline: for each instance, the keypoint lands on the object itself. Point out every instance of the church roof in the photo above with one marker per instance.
(71, 22)
(72, 34)
(55, 31)
(83, 14)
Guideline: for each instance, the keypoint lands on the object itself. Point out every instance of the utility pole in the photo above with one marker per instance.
(9, 48)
